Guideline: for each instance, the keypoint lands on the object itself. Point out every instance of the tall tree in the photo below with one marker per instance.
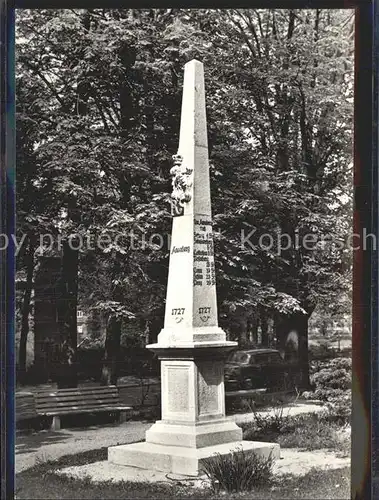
(105, 90)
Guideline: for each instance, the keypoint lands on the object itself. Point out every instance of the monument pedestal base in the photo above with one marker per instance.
(183, 460)
(199, 435)
(193, 426)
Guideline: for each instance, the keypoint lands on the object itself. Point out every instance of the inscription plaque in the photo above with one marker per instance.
(177, 389)
(210, 380)
(203, 253)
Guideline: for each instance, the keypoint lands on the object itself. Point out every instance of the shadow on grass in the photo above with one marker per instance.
(29, 443)
(34, 441)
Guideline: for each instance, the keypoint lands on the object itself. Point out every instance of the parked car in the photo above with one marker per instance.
(255, 369)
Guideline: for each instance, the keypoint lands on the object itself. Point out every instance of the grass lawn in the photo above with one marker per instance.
(307, 432)
(41, 482)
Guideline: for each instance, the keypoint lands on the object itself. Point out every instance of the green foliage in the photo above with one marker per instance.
(98, 109)
(239, 471)
(336, 379)
(332, 380)
(273, 422)
(322, 352)
(338, 409)
(268, 426)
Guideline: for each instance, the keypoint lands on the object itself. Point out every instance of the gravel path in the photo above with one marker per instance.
(47, 445)
(31, 449)
(290, 410)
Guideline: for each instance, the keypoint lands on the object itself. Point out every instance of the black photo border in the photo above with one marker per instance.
(365, 390)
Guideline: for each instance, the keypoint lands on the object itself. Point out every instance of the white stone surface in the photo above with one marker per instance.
(178, 390)
(193, 140)
(191, 346)
(194, 436)
(192, 391)
(191, 304)
(181, 460)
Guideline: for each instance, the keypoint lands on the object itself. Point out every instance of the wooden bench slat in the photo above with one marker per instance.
(77, 404)
(57, 401)
(60, 402)
(95, 388)
(58, 411)
(74, 411)
(67, 404)
(59, 397)
(77, 391)
(76, 394)
(68, 397)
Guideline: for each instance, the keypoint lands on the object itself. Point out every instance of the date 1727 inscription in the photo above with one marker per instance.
(178, 312)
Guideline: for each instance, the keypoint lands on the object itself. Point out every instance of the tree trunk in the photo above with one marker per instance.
(270, 332)
(109, 373)
(242, 329)
(147, 332)
(298, 323)
(67, 307)
(254, 330)
(26, 311)
(302, 329)
(264, 329)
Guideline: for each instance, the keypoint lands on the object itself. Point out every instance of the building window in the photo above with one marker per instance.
(79, 314)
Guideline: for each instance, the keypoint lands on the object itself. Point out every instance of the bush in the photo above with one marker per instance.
(331, 379)
(268, 427)
(338, 409)
(321, 351)
(272, 422)
(238, 471)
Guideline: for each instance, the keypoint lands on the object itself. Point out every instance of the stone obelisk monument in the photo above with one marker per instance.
(192, 348)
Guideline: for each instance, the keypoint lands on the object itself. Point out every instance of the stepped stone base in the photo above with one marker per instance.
(180, 460)
(194, 436)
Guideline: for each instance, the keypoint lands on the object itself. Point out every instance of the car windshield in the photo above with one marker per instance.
(239, 357)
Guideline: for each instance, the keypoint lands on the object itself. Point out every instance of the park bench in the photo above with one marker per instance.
(60, 402)
(25, 406)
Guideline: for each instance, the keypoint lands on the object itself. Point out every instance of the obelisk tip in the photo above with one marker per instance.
(193, 62)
